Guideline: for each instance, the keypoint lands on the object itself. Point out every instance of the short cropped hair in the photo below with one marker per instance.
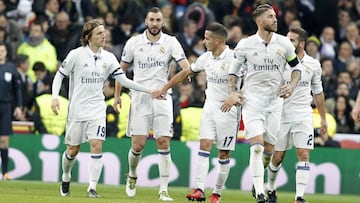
(218, 29)
(301, 32)
(260, 9)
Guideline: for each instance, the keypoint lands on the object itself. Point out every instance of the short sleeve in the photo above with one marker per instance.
(316, 83)
(238, 63)
(68, 64)
(113, 65)
(177, 51)
(127, 55)
(199, 64)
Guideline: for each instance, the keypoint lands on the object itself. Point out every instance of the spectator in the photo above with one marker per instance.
(40, 74)
(170, 23)
(38, 48)
(44, 119)
(345, 76)
(52, 7)
(313, 47)
(352, 35)
(22, 65)
(328, 77)
(235, 34)
(63, 35)
(328, 43)
(14, 34)
(123, 31)
(188, 35)
(342, 89)
(344, 122)
(345, 54)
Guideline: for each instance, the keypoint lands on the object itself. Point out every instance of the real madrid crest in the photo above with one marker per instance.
(279, 52)
(162, 50)
(104, 65)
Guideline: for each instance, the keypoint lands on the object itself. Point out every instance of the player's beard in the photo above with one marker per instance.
(270, 28)
(154, 31)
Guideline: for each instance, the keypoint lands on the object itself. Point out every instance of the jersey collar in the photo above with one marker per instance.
(92, 54)
(222, 55)
(147, 41)
(257, 36)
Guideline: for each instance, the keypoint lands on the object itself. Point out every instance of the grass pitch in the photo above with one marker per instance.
(40, 192)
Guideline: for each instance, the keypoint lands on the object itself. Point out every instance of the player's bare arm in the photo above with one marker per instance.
(287, 89)
(235, 97)
(356, 110)
(320, 104)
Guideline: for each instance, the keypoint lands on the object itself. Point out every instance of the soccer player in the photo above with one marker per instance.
(297, 119)
(216, 126)
(151, 53)
(262, 58)
(87, 67)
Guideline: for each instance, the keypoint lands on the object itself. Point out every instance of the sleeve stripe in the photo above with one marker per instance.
(125, 62)
(233, 74)
(180, 59)
(62, 74)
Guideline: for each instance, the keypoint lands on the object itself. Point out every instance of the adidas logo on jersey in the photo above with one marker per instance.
(255, 54)
(85, 65)
(141, 50)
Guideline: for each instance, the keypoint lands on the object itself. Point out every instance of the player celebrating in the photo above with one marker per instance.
(151, 53)
(264, 56)
(297, 119)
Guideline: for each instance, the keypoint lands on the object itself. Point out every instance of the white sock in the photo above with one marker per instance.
(257, 167)
(67, 164)
(222, 175)
(95, 168)
(266, 158)
(302, 177)
(133, 159)
(272, 172)
(202, 169)
(164, 168)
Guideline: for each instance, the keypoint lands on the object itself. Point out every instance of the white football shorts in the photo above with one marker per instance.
(78, 132)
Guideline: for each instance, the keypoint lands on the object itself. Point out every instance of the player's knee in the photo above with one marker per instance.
(257, 148)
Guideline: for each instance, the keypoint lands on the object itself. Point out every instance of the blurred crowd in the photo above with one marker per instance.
(38, 35)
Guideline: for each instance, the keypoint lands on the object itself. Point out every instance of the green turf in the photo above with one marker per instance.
(39, 192)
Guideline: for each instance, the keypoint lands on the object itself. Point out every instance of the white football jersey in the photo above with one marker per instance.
(216, 69)
(87, 72)
(298, 105)
(151, 59)
(264, 65)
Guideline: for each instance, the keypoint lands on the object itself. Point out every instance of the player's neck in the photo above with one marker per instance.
(300, 54)
(220, 49)
(153, 38)
(94, 49)
(265, 35)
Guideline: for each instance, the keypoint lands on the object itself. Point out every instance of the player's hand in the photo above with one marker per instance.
(117, 104)
(158, 94)
(323, 129)
(18, 113)
(285, 91)
(235, 98)
(55, 106)
(355, 113)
